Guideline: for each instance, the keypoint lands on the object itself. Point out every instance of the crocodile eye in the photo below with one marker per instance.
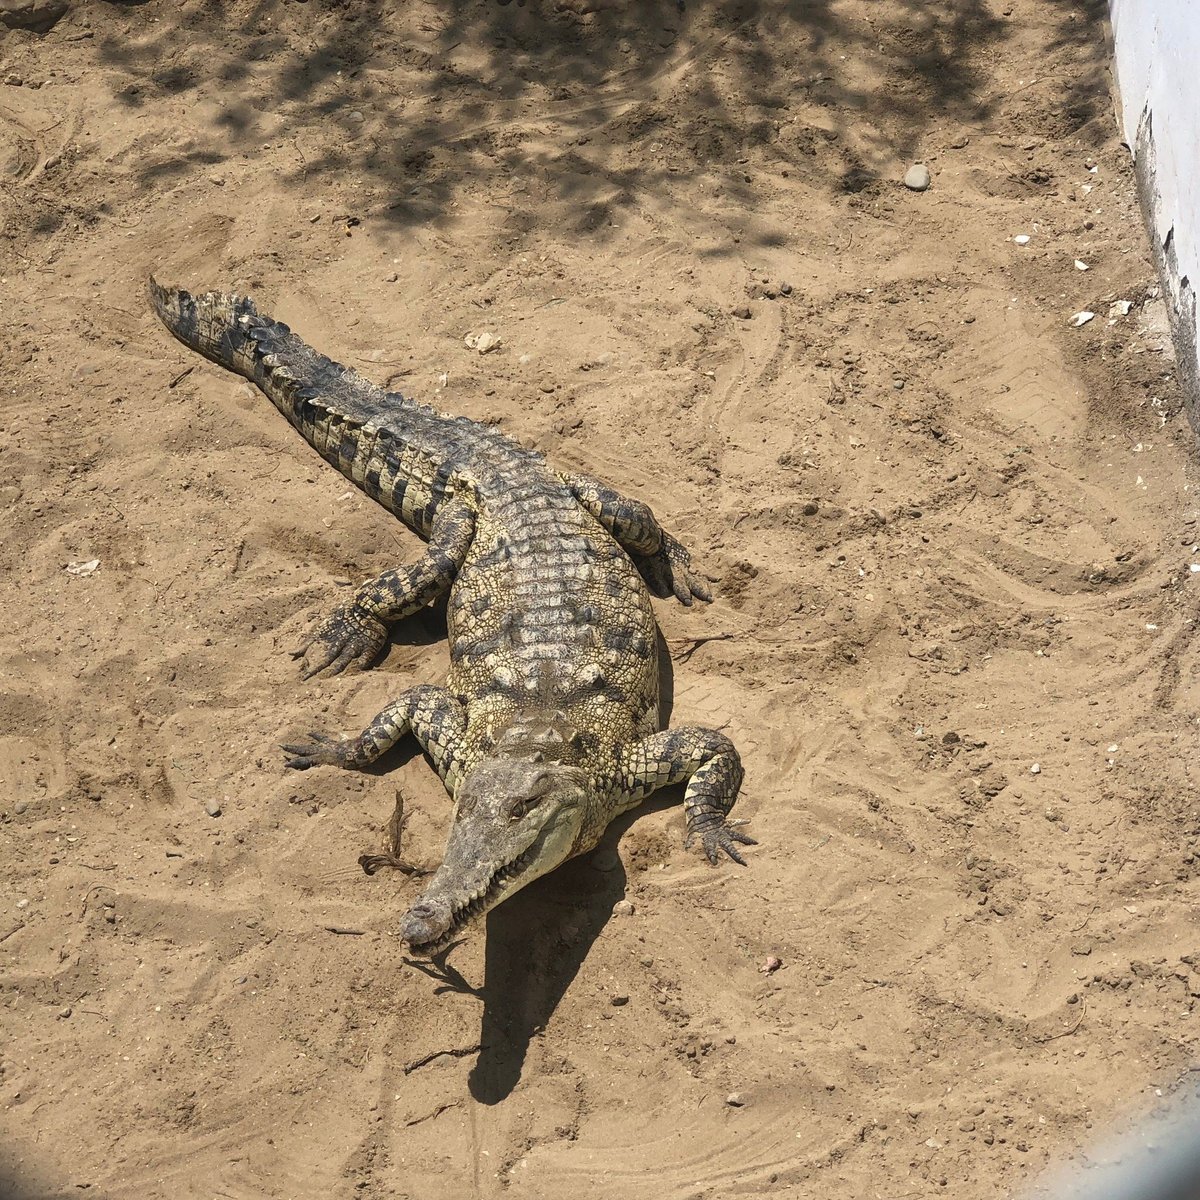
(520, 807)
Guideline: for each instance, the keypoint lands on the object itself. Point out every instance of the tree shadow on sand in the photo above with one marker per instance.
(590, 105)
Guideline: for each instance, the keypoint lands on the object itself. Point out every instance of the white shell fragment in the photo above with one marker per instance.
(1082, 318)
(83, 568)
(1022, 239)
(1080, 265)
(1120, 308)
(483, 342)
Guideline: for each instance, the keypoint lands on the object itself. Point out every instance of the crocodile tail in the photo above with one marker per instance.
(211, 324)
(308, 388)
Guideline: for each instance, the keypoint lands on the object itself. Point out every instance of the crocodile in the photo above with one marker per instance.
(547, 727)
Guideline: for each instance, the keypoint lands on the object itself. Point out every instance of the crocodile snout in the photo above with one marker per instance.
(425, 922)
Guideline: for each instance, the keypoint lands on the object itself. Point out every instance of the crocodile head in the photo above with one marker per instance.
(514, 820)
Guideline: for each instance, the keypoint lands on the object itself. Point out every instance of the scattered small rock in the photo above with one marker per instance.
(770, 964)
(83, 568)
(64, 1012)
(1082, 318)
(1120, 308)
(1036, 769)
(1081, 949)
(960, 142)
(355, 117)
(20, 807)
(1022, 239)
(917, 178)
(212, 807)
(735, 1100)
(623, 908)
(1080, 265)
(742, 312)
(619, 1000)
(392, 278)
(785, 289)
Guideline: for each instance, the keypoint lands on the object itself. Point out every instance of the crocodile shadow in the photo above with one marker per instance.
(538, 940)
(536, 943)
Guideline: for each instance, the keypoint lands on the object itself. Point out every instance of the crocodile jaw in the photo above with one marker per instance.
(492, 853)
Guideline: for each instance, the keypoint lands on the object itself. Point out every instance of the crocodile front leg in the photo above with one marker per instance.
(431, 714)
(663, 560)
(708, 761)
(355, 633)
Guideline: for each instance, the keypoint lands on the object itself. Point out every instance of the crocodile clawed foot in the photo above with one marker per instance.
(323, 751)
(669, 573)
(717, 836)
(347, 639)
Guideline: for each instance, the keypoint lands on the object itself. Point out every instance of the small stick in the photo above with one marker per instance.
(371, 863)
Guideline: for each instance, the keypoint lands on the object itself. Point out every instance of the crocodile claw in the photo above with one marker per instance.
(716, 836)
(347, 638)
(669, 572)
(323, 751)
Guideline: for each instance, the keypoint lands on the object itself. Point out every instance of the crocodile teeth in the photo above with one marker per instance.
(477, 902)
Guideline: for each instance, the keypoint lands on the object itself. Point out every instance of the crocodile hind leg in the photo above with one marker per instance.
(431, 714)
(355, 633)
(708, 761)
(664, 562)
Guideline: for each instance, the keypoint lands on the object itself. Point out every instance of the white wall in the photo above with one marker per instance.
(1157, 45)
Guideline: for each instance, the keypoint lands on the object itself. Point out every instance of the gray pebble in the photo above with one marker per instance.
(742, 312)
(355, 116)
(735, 1100)
(64, 1013)
(20, 807)
(212, 807)
(917, 178)
(623, 908)
(619, 1000)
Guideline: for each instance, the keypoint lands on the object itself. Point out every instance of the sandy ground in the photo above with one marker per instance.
(951, 536)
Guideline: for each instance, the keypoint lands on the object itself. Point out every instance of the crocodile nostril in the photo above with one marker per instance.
(421, 911)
